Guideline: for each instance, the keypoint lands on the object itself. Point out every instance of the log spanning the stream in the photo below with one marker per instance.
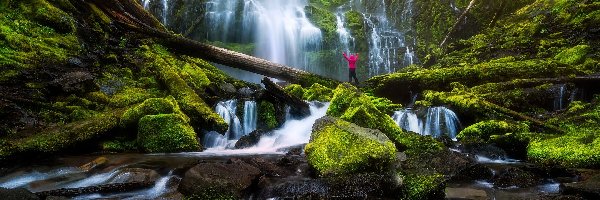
(129, 14)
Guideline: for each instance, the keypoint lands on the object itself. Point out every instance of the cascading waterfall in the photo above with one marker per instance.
(346, 39)
(280, 29)
(165, 11)
(227, 110)
(559, 99)
(250, 116)
(435, 121)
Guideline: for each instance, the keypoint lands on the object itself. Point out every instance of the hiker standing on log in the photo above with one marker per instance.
(351, 66)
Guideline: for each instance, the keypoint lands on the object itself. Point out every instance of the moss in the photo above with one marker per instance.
(165, 64)
(323, 19)
(166, 133)
(99, 97)
(317, 92)
(351, 105)
(213, 193)
(295, 90)
(266, 115)
(356, 25)
(129, 96)
(308, 80)
(119, 146)
(65, 136)
(338, 147)
(152, 106)
(383, 104)
(423, 186)
(576, 106)
(482, 131)
(576, 150)
(34, 33)
(573, 56)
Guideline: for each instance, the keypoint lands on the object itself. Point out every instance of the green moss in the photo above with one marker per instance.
(99, 97)
(266, 115)
(61, 137)
(578, 149)
(213, 193)
(166, 133)
(34, 33)
(573, 56)
(384, 105)
(482, 131)
(130, 96)
(351, 105)
(317, 92)
(295, 90)
(421, 186)
(165, 64)
(152, 106)
(119, 146)
(576, 106)
(338, 147)
(324, 19)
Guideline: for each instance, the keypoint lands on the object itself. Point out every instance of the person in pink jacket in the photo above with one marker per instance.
(352, 66)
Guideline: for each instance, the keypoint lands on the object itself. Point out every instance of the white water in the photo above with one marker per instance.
(27, 178)
(294, 132)
(435, 121)
(560, 98)
(483, 159)
(228, 111)
(250, 116)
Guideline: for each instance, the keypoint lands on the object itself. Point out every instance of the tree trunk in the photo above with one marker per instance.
(298, 106)
(460, 18)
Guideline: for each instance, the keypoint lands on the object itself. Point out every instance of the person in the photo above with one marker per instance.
(351, 66)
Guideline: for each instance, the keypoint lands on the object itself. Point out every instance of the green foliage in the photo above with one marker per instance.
(34, 33)
(384, 105)
(166, 133)
(119, 146)
(324, 19)
(482, 131)
(130, 96)
(576, 106)
(158, 59)
(338, 147)
(317, 92)
(421, 186)
(573, 56)
(576, 149)
(152, 106)
(266, 115)
(349, 104)
(295, 90)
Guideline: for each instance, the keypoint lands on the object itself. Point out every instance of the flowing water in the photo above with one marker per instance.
(434, 121)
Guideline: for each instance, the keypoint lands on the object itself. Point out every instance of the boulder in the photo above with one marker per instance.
(228, 180)
(166, 133)
(513, 176)
(128, 175)
(340, 147)
(250, 139)
(77, 82)
(589, 189)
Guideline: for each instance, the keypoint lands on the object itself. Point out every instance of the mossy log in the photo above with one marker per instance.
(135, 18)
(298, 106)
(106, 188)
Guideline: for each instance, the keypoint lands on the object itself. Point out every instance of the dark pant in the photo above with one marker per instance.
(351, 75)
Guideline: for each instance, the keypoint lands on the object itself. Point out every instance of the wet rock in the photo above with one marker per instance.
(466, 194)
(135, 175)
(513, 176)
(246, 92)
(489, 151)
(297, 189)
(95, 164)
(78, 82)
(76, 62)
(250, 139)
(228, 88)
(589, 188)
(17, 194)
(219, 180)
(474, 172)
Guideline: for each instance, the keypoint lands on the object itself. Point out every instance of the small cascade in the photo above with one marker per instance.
(250, 116)
(220, 16)
(560, 98)
(27, 178)
(346, 39)
(434, 121)
(227, 110)
(165, 11)
(145, 4)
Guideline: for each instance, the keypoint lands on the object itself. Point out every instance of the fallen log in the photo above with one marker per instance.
(455, 26)
(298, 107)
(132, 17)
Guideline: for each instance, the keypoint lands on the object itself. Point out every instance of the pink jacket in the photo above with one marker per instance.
(351, 60)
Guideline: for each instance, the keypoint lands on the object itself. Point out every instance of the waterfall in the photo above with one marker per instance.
(145, 3)
(250, 116)
(560, 98)
(227, 110)
(165, 11)
(280, 29)
(434, 121)
(343, 34)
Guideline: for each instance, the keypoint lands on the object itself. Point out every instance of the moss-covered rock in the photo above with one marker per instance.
(573, 56)
(266, 116)
(349, 104)
(295, 90)
(166, 133)
(152, 106)
(482, 131)
(317, 92)
(571, 150)
(339, 147)
(423, 186)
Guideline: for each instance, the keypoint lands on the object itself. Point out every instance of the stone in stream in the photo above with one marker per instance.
(17, 194)
(466, 194)
(229, 180)
(589, 188)
(135, 175)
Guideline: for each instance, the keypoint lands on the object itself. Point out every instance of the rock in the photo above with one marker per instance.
(246, 92)
(296, 189)
(250, 139)
(228, 88)
(78, 82)
(166, 133)
(17, 194)
(95, 164)
(474, 172)
(340, 147)
(218, 180)
(135, 175)
(589, 188)
(466, 194)
(513, 176)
